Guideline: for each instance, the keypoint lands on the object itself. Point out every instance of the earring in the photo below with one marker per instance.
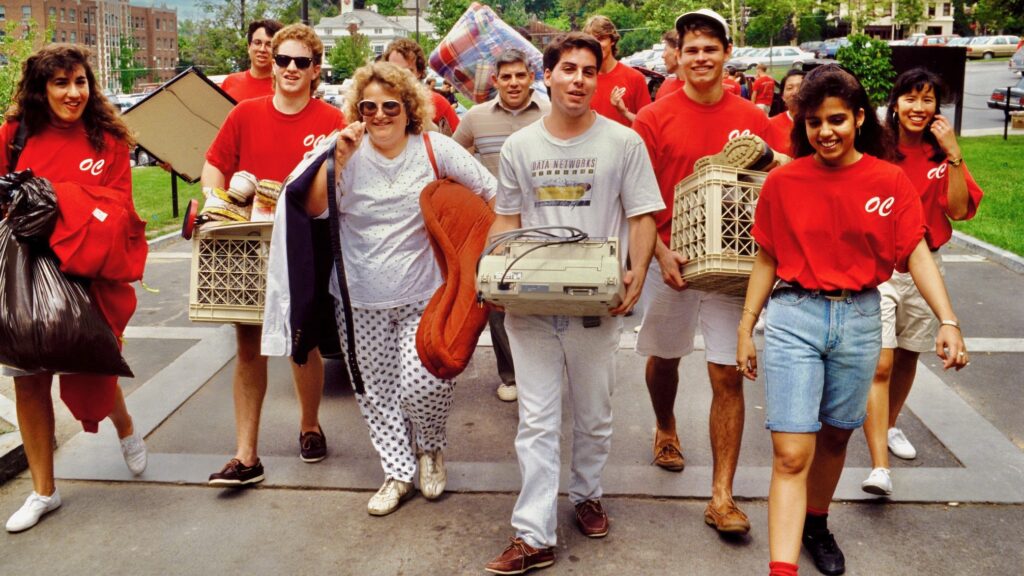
(858, 129)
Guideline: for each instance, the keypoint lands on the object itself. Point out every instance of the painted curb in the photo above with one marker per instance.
(993, 253)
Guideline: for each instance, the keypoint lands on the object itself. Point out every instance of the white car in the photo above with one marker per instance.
(776, 56)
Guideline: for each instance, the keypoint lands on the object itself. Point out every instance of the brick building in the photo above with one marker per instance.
(103, 25)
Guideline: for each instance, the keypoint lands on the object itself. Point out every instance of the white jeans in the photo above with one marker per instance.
(544, 348)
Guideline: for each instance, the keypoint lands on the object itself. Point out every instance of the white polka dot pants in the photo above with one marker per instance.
(402, 400)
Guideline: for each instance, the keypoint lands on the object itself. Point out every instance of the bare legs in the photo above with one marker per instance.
(893, 379)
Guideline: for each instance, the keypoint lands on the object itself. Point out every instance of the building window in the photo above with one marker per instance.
(3, 12)
(931, 11)
(378, 30)
(947, 9)
(72, 16)
(26, 12)
(63, 36)
(51, 14)
(74, 37)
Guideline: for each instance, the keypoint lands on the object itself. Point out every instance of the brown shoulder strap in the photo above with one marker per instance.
(430, 154)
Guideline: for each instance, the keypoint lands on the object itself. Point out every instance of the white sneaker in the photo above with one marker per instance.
(32, 510)
(133, 448)
(433, 475)
(900, 446)
(879, 482)
(508, 392)
(388, 498)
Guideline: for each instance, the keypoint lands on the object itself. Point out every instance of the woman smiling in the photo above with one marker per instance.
(383, 164)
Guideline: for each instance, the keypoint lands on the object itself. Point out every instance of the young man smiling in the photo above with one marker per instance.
(559, 171)
(621, 91)
(688, 124)
(258, 80)
(267, 137)
(484, 129)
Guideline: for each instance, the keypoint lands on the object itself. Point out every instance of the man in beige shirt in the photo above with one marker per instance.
(484, 129)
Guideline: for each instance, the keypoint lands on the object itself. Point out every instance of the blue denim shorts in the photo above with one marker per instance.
(820, 356)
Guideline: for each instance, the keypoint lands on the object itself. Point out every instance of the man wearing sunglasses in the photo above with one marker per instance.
(484, 129)
(268, 137)
(406, 53)
(258, 79)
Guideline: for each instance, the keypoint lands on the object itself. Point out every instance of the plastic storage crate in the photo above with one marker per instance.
(712, 217)
(229, 272)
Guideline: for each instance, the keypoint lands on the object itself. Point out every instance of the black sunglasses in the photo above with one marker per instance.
(301, 62)
(391, 108)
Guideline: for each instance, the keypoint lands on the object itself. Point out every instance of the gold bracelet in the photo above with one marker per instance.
(751, 312)
(955, 163)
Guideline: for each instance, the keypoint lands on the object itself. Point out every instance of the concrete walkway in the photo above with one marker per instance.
(958, 508)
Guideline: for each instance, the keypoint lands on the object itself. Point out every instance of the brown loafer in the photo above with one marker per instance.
(520, 558)
(731, 521)
(667, 453)
(592, 519)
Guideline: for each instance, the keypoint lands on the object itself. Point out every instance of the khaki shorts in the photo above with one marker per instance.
(907, 321)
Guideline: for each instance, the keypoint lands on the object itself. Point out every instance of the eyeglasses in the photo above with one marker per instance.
(301, 62)
(391, 108)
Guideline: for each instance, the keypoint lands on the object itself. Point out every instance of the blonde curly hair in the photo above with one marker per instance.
(413, 95)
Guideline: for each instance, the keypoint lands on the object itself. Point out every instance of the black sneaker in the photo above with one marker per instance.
(312, 446)
(827, 556)
(234, 473)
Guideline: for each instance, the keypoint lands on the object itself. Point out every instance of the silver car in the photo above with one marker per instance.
(1017, 61)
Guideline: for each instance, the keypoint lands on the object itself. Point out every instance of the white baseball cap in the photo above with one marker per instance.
(707, 15)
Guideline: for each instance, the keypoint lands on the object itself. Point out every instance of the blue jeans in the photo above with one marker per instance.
(819, 359)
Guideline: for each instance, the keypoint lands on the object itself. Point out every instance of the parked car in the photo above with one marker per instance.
(743, 51)
(1017, 61)
(654, 79)
(999, 97)
(639, 58)
(960, 41)
(811, 46)
(775, 56)
(831, 46)
(932, 40)
(989, 47)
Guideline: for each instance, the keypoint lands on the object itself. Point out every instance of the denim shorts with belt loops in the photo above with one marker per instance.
(820, 353)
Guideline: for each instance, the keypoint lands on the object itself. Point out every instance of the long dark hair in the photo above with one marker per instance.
(32, 107)
(835, 81)
(907, 82)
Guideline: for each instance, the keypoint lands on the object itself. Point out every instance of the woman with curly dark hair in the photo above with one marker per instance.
(831, 226)
(73, 135)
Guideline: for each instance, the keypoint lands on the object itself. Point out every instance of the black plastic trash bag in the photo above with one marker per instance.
(33, 210)
(48, 322)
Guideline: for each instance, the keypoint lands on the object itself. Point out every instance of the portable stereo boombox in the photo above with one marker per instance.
(559, 278)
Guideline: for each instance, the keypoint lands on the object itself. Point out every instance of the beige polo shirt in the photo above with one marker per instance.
(486, 126)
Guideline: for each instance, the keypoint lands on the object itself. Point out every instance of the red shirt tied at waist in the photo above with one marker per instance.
(931, 179)
(838, 228)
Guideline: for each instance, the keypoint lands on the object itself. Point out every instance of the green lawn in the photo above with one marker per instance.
(151, 187)
(998, 167)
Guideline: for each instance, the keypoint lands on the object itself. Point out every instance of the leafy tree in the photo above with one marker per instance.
(444, 13)
(908, 13)
(1000, 15)
(127, 67)
(960, 23)
(349, 53)
(290, 11)
(385, 7)
(18, 42)
(513, 12)
(871, 61)
(634, 35)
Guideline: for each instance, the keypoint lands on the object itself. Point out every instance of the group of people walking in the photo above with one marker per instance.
(846, 273)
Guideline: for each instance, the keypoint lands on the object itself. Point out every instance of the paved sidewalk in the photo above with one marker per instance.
(958, 508)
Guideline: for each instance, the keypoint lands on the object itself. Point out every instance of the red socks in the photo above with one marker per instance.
(782, 569)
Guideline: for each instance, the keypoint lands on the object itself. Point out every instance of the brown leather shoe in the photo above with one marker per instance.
(667, 453)
(520, 558)
(730, 521)
(591, 518)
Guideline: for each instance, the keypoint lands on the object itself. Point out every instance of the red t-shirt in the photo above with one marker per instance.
(258, 139)
(780, 129)
(65, 155)
(444, 111)
(635, 98)
(678, 131)
(242, 86)
(764, 88)
(670, 85)
(732, 85)
(835, 228)
(931, 179)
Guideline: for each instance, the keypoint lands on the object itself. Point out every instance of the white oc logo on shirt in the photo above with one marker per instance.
(937, 173)
(313, 140)
(736, 133)
(94, 168)
(883, 207)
